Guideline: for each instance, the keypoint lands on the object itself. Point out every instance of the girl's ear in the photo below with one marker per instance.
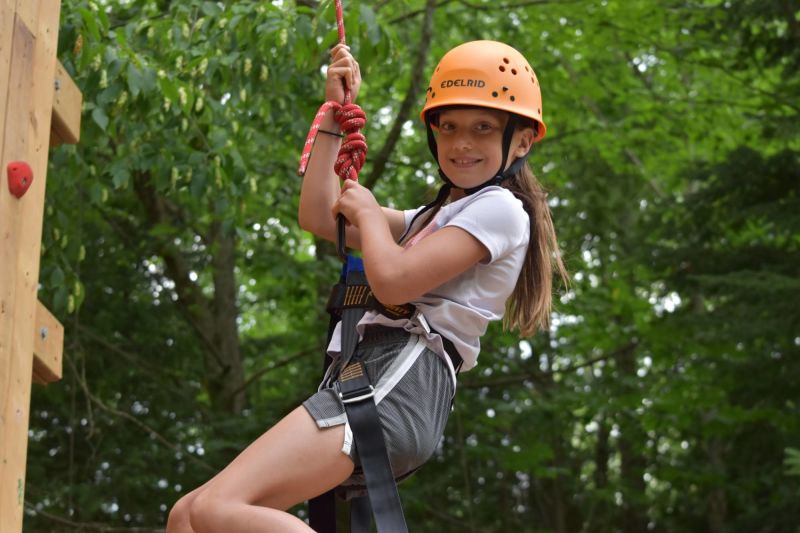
(524, 142)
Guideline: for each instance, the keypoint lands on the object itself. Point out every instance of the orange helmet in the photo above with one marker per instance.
(487, 74)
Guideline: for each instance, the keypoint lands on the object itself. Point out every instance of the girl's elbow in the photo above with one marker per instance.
(304, 224)
(307, 222)
(390, 291)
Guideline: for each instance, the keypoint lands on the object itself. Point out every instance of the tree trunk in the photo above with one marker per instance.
(224, 365)
(601, 454)
(554, 499)
(632, 461)
(717, 502)
(214, 321)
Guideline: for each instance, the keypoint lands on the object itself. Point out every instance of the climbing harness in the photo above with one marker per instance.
(350, 299)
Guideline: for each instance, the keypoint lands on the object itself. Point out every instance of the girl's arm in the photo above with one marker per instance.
(397, 275)
(320, 187)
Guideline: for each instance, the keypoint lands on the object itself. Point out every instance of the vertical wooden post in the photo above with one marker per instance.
(30, 337)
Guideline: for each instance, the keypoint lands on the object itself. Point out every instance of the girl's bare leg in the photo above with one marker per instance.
(290, 463)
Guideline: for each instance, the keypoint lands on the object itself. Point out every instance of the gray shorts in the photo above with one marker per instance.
(413, 393)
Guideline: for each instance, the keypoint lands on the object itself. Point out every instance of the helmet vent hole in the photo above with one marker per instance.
(433, 95)
(527, 69)
(514, 71)
(494, 93)
(502, 68)
(505, 60)
(533, 80)
(539, 110)
(513, 97)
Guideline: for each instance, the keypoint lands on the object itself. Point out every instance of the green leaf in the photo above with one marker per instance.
(792, 461)
(90, 23)
(100, 117)
(120, 177)
(211, 9)
(56, 277)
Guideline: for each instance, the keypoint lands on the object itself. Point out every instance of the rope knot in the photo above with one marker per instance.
(353, 152)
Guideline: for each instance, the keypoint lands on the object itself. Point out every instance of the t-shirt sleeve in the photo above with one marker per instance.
(409, 215)
(497, 219)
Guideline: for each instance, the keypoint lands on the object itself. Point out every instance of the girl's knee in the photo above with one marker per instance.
(178, 518)
(209, 512)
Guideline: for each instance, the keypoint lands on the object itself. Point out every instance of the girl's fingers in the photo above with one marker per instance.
(345, 68)
(348, 184)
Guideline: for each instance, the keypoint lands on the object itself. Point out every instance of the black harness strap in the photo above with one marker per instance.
(357, 394)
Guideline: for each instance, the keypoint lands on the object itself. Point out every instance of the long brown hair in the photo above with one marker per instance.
(528, 308)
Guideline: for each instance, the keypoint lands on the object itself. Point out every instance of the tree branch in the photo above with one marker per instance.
(273, 366)
(417, 75)
(83, 526)
(598, 113)
(412, 14)
(139, 362)
(542, 376)
(513, 5)
(486, 7)
(122, 414)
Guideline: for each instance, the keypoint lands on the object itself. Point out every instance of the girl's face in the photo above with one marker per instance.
(470, 144)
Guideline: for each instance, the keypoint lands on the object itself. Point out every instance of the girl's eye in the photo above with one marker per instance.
(483, 126)
(446, 126)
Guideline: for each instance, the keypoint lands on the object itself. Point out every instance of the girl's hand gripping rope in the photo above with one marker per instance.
(341, 88)
(357, 204)
(343, 73)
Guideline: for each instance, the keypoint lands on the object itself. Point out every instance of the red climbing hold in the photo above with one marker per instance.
(20, 177)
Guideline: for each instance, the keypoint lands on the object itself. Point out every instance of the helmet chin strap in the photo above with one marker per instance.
(500, 175)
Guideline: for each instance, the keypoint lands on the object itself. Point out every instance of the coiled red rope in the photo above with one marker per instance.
(351, 118)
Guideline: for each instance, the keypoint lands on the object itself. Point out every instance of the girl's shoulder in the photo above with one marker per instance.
(494, 216)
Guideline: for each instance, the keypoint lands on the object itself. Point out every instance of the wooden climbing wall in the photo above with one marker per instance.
(36, 95)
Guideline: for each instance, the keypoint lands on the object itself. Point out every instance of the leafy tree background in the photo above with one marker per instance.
(664, 397)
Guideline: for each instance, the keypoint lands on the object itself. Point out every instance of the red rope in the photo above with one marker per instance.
(351, 118)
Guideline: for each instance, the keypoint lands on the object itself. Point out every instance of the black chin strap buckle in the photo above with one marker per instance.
(497, 180)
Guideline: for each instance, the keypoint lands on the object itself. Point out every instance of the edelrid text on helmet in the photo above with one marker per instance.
(486, 74)
(462, 83)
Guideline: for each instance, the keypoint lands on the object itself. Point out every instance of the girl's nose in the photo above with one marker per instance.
(463, 141)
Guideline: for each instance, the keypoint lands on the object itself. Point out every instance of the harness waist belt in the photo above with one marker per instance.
(344, 296)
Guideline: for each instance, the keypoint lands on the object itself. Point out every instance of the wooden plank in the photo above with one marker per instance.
(28, 12)
(7, 9)
(26, 123)
(66, 126)
(14, 362)
(48, 345)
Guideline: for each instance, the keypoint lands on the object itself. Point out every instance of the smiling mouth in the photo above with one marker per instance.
(461, 162)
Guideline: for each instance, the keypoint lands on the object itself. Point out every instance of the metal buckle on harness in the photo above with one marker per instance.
(353, 379)
(357, 395)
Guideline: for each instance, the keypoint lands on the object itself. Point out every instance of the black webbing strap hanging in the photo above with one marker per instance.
(357, 394)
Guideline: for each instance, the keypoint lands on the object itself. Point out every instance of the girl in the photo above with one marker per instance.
(484, 248)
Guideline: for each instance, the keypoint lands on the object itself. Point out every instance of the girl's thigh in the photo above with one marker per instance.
(294, 461)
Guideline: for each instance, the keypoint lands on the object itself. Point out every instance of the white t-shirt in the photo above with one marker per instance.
(462, 308)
